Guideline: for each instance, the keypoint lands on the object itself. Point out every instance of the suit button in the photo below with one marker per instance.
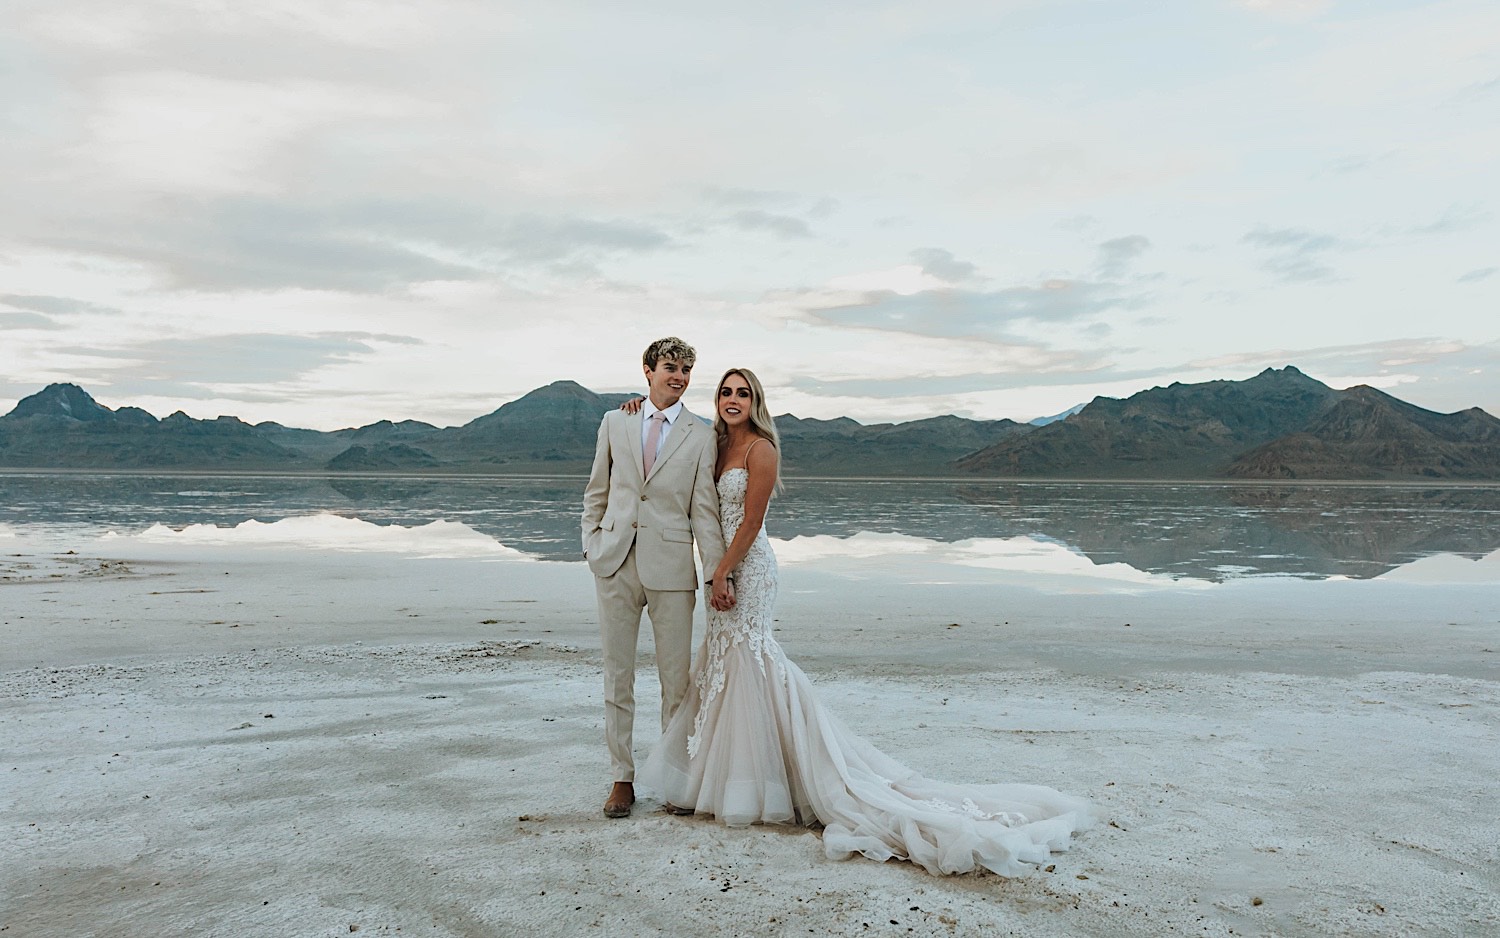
(634, 525)
(643, 498)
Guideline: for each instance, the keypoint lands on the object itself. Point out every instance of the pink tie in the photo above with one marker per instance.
(653, 438)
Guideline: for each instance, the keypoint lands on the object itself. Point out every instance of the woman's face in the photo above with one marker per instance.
(735, 400)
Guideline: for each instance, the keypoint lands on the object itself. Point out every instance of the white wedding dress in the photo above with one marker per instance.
(751, 743)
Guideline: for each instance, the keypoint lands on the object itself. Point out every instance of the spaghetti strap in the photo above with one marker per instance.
(744, 463)
(758, 440)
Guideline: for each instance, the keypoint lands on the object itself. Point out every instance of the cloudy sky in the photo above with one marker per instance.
(328, 212)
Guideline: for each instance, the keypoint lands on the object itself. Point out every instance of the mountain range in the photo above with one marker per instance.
(1279, 424)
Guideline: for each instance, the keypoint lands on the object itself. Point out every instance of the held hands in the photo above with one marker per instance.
(723, 593)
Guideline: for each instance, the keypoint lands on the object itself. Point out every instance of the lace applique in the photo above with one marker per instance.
(971, 810)
(749, 620)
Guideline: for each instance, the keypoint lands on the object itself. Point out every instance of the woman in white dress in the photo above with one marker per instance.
(752, 743)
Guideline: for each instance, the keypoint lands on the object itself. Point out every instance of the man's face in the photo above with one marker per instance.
(667, 381)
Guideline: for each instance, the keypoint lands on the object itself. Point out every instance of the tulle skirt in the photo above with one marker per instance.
(766, 751)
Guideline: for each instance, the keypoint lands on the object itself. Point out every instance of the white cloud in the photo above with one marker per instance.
(110, 26)
(993, 209)
(168, 132)
(904, 280)
(1287, 9)
(1375, 381)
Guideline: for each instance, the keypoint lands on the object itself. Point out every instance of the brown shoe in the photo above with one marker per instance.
(621, 797)
(679, 810)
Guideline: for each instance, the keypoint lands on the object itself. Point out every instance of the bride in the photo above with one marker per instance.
(752, 743)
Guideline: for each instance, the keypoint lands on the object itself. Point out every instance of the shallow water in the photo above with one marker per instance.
(1170, 531)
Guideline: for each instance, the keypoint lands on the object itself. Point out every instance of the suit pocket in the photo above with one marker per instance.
(681, 535)
(608, 524)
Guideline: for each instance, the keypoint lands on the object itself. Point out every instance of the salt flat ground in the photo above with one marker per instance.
(221, 739)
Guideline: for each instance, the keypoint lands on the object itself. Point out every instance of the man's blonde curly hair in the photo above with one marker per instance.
(670, 348)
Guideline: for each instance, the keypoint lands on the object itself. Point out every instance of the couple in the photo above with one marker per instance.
(744, 737)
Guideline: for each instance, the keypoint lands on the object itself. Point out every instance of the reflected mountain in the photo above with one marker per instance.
(1206, 532)
(538, 516)
(1222, 532)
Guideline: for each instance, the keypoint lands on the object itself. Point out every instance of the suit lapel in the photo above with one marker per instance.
(682, 427)
(633, 429)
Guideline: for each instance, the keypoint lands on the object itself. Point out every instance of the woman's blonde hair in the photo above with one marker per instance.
(761, 421)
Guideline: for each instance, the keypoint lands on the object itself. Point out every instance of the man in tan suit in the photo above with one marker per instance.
(650, 496)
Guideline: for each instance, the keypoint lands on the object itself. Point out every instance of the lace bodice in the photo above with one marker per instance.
(755, 598)
(732, 486)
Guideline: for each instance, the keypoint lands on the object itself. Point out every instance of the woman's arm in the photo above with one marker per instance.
(761, 462)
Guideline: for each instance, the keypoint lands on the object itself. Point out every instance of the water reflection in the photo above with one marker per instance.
(1039, 563)
(1198, 532)
(1219, 532)
(436, 539)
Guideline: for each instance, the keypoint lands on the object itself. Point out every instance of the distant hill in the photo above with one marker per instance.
(1369, 434)
(916, 448)
(1280, 424)
(383, 457)
(62, 426)
(551, 429)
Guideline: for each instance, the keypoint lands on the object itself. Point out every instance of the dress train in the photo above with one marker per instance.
(751, 743)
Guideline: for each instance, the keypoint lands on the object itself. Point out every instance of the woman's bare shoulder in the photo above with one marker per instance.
(761, 457)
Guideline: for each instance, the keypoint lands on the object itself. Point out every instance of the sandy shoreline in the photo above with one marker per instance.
(260, 741)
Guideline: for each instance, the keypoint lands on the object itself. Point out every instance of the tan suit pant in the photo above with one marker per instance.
(621, 599)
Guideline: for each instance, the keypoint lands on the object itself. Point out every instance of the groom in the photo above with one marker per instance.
(650, 495)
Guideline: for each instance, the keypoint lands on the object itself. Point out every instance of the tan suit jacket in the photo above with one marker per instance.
(662, 515)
